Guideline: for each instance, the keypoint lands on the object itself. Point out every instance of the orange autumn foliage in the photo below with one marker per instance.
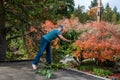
(76, 54)
(55, 44)
(48, 26)
(101, 40)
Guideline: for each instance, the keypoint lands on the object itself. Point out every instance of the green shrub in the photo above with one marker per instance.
(86, 68)
(90, 66)
(65, 47)
(101, 72)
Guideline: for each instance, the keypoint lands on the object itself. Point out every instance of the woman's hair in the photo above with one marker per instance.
(61, 26)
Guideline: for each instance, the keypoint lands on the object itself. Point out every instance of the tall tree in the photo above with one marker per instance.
(108, 13)
(93, 4)
(114, 15)
(2, 31)
(114, 18)
(93, 10)
(82, 16)
(115, 9)
(65, 7)
(16, 17)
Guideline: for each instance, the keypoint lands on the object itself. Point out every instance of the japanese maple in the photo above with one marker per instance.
(99, 42)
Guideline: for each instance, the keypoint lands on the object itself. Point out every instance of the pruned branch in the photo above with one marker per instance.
(16, 36)
(37, 27)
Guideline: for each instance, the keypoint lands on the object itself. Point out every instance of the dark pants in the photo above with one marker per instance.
(44, 44)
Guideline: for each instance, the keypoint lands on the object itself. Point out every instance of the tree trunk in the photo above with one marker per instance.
(2, 32)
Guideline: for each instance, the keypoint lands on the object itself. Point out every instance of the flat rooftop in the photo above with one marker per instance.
(23, 71)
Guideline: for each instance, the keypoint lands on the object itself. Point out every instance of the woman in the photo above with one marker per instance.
(45, 45)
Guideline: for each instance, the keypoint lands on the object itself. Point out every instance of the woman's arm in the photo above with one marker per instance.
(63, 38)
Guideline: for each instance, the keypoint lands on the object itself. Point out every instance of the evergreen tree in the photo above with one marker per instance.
(93, 4)
(65, 7)
(115, 10)
(114, 18)
(16, 17)
(114, 15)
(82, 16)
(108, 13)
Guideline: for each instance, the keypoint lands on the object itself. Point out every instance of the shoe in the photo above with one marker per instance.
(34, 66)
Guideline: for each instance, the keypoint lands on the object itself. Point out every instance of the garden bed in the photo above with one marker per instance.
(92, 68)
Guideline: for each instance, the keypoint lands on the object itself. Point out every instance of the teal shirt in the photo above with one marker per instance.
(52, 35)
